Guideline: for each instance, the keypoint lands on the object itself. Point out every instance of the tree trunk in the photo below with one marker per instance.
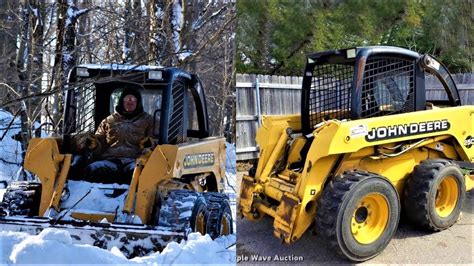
(85, 39)
(8, 50)
(69, 47)
(176, 24)
(192, 9)
(127, 53)
(37, 23)
(60, 31)
(166, 44)
(138, 51)
(132, 50)
(155, 14)
(21, 63)
(55, 102)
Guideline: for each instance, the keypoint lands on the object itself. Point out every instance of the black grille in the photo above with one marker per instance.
(85, 104)
(176, 125)
(388, 86)
(330, 94)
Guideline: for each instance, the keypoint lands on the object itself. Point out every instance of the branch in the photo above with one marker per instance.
(210, 41)
(30, 96)
(9, 125)
(292, 53)
(8, 162)
(200, 22)
(9, 87)
(76, 13)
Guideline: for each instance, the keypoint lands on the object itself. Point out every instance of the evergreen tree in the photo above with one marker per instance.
(274, 35)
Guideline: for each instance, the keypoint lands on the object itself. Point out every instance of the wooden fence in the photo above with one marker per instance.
(281, 95)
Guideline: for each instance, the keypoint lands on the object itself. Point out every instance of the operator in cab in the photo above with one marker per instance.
(119, 140)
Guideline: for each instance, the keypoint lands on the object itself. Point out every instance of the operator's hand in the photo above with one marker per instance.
(91, 142)
(146, 142)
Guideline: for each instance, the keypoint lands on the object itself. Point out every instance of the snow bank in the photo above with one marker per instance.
(44, 248)
(197, 249)
(54, 246)
(7, 241)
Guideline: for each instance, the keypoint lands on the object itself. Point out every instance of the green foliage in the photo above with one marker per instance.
(273, 36)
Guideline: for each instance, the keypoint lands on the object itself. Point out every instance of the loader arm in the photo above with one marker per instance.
(52, 170)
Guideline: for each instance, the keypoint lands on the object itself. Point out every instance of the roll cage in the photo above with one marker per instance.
(90, 88)
(367, 82)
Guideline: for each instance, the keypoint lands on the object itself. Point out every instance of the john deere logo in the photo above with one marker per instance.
(198, 160)
(403, 130)
(468, 142)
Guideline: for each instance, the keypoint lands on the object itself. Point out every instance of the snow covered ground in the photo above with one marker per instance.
(231, 176)
(22, 248)
(10, 150)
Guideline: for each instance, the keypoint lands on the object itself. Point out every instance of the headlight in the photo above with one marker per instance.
(155, 75)
(82, 72)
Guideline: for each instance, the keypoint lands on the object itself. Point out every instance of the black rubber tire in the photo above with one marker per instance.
(21, 198)
(180, 210)
(218, 207)
(336, 208)
(420, 194)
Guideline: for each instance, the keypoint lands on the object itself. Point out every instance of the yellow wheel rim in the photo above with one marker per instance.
(370, 218)
(225, 225)
(200, 224)
(446, 196)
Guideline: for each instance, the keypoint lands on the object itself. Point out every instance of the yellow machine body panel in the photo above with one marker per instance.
(206, 156)
(156, 168)
(43, 159)
(365, 144)
(455, 121)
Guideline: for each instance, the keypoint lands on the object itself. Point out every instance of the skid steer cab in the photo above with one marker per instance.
(177, 183)
(367, 145)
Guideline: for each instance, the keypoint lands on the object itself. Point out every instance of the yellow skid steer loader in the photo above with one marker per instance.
(177, 184)
(366, 146)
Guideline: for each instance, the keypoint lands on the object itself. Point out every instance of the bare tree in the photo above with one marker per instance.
(155, 14)
(22, 67)
(65, 54)
(37, 41)
(192, 34)
(211, 56)
(9, 20)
